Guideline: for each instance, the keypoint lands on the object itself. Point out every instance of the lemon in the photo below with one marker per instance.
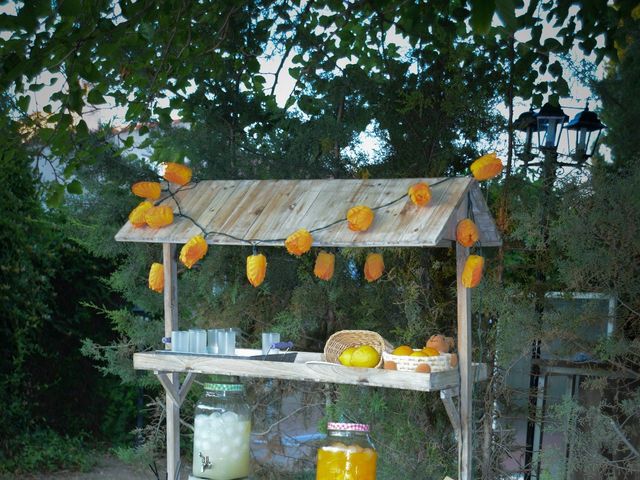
(431, 352)
(403, 350)
(365, 356)
(419, 353)
(345, 356)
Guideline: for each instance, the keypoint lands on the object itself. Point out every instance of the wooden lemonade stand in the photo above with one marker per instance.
(243, 210)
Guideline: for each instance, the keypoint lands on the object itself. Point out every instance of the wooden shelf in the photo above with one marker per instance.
(308, 367)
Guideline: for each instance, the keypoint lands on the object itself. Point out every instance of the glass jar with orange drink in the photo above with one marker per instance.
(347, 453)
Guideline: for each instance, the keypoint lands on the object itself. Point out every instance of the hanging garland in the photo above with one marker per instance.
(358, 218)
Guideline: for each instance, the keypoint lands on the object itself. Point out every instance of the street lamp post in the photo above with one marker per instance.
(548, 123)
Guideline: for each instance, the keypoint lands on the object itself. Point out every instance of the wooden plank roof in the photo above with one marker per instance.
(267, 211)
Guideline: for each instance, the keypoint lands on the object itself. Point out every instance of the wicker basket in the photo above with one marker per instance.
(406, 363)
(343, 339)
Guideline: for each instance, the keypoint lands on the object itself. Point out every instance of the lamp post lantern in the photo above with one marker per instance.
(584, 124)
(528, 124)
(550, 122)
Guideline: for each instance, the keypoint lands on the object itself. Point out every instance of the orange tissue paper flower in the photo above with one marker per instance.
(158, 217)
(150, 190)
(299, 242)
(360, 218)
(256, 269)
(136, 217)
(373, 267)
(193, 250)
(467, 233)
(176, 173)
(486, 167)
(472, 272)
(420, 194)
(325, 264)
(156, 277)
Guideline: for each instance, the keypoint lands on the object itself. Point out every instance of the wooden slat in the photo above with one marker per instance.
(489, 236)
(289, 207)
(273, 209)
(227, 206)
(308, 367)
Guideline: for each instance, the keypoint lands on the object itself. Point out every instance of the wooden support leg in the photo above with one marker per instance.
(171, 324)
(465, 449)
(173, 432)
(175, 395)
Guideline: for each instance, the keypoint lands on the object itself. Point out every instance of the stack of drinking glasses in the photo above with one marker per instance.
(216, 341)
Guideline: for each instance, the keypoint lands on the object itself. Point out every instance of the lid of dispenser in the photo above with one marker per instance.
(224, 387)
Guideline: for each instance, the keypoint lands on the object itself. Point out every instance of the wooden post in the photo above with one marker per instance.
(170, 324)
(465, 449)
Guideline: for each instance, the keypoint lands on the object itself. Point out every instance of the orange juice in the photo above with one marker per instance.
(347, 454)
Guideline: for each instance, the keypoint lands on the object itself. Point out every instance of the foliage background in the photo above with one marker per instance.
(432, 99)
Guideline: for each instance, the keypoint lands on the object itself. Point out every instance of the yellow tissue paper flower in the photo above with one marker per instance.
(360, 218)
(192, 251)
(472, 272)
(467, 233)
(136, 217)
(158, 217)
(325, 264)
(256, 269)
(176, 173)
(373, 267)
(150, 190)
(486, 167)
(299, 242)
(156, 277)
(420, 194)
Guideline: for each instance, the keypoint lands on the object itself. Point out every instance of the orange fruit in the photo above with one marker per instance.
(365, 356)
(403, 350)
(431, 352)
(419, 353)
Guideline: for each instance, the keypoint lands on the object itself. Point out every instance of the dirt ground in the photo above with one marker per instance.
(106, 468)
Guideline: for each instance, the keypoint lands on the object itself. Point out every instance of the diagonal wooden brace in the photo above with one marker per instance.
(177, 393)
(453, 412)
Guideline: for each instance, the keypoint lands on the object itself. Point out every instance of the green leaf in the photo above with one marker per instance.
(82, 128)
(75, 187)
(307, 104)
(325, 21)
(70, 8)
(23, 103)
(295, 72)
(506, 10)
(147, 30)
(552, 45)
(69, 169)
(481, 14)
(55, 196)
(36, 87)
(555, 69)
(95, 97)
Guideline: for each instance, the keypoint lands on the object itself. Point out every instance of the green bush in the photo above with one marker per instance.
(47, 451)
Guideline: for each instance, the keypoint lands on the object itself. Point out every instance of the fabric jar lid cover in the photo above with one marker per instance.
(224, 387)
(357, 427)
